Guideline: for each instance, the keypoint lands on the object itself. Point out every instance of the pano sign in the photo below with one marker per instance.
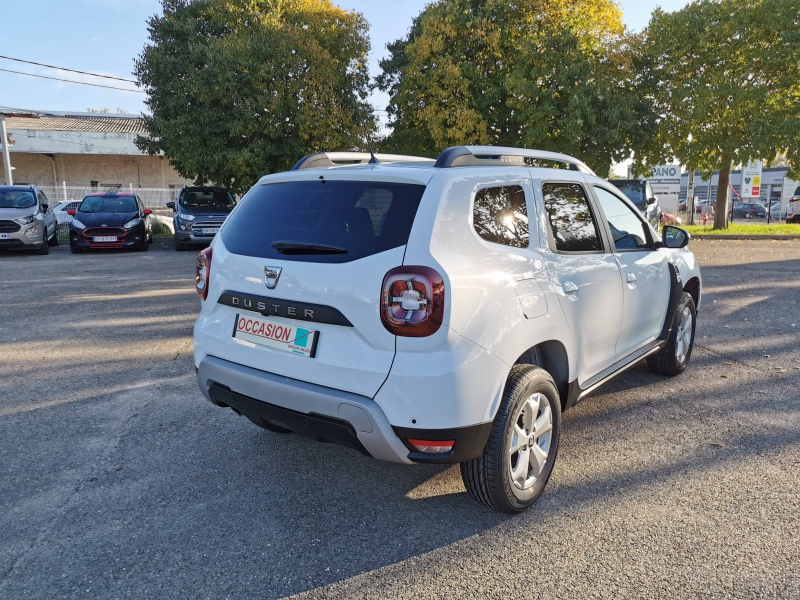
(666, 182)
(666, 172)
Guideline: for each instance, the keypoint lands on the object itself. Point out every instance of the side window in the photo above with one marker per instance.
(571, 222)
(627, 229)
(500, 216)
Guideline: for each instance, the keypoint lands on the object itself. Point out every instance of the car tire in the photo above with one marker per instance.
(75, 249)
(54, 239)
(673, 358)
(502, 478)
(44, 249)
(144, 247)
(179, 246)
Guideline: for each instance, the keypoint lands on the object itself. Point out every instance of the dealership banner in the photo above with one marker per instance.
(751, 180)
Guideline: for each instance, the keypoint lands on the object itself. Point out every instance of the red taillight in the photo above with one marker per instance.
(203, 272)
(412, 301)
(71, 212)
(433, 446)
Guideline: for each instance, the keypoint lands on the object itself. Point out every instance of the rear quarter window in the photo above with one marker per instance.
(362, 217)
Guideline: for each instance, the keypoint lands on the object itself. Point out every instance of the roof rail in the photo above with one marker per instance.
(336, 159)
(472, 156)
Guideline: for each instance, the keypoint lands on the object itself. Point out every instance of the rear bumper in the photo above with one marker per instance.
(330, 415)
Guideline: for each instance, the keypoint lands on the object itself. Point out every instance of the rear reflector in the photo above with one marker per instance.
(433, 446)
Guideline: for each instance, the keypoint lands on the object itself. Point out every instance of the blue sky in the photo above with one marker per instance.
(104, 36)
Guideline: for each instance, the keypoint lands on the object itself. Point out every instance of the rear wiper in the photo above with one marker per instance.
(285, 247)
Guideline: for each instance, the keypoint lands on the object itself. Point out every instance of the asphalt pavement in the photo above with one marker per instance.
(119, 480)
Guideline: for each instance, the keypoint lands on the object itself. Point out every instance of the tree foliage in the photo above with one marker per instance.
(724, 78)
(551, 74)
(241, 88)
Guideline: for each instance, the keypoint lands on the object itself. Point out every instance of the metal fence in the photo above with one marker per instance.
(152, 198)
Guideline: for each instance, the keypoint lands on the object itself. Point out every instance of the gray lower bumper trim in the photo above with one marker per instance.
(371, 425)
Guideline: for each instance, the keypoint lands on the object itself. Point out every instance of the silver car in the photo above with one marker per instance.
(26, 223)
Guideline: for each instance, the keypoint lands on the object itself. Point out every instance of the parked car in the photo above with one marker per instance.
(793, 209)
(109, 220)
(641, 194)
(775, 212)
(698, 207)
(748, 211)
(681, 205)
(440, 311)
(199, 214)
(60, 211)
(26, 221)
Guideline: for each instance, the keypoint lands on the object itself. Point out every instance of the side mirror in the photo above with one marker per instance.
(172, 206)
(45, 206)
(147, 211)
(651, 201)
(675, 237)
(71, 212)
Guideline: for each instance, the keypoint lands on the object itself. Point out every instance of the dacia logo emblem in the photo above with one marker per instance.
(271, 276)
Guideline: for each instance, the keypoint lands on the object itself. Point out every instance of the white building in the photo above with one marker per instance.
(84, 150)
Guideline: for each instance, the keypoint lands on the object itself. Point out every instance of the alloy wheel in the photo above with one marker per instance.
(530, 441)
(684, 338)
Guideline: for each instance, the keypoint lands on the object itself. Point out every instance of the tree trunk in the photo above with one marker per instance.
(721, 209)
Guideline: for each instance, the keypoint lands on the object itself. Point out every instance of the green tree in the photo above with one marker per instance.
(551, 74)
(724, 77)
(241, 88)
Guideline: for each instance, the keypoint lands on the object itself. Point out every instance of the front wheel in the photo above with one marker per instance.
(673, 358)
(518, 458)
(44, 249)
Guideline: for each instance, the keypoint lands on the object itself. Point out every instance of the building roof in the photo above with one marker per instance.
(72, 123)
(51, 120)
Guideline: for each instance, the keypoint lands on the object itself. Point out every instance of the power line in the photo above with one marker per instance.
(110, 87)
(30, 62)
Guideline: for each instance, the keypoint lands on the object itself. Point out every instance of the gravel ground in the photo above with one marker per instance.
(118, 480)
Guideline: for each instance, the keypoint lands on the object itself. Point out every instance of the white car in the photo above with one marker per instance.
(438, 311)
(60, 211)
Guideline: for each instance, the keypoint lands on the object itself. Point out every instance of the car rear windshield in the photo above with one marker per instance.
(634, 192)
(105, 204)
(207, 199)
(322, 221)
(17, 199)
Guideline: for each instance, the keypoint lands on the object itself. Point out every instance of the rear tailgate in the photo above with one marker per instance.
(355, 358)
(334, 292)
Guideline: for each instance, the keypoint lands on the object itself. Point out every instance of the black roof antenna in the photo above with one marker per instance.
(373, 160)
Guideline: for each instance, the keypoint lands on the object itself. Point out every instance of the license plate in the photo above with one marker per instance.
(208, 231)
(277, 335)
(104, 238)
(5, 236)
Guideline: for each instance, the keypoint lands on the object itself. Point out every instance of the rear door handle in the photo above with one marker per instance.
(630, 277)
(569, 287)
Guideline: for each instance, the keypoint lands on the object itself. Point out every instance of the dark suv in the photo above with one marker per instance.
(200, 212)
(641, 194)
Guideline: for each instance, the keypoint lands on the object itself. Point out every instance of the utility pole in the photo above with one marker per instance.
(6, 155)
(690, 197)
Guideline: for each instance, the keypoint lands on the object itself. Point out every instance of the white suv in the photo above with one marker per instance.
(438, 311)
